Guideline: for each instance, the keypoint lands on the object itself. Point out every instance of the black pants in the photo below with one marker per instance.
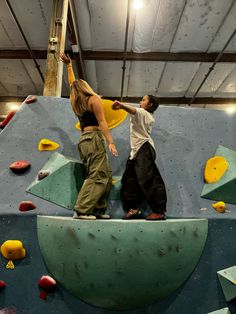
(142, 181)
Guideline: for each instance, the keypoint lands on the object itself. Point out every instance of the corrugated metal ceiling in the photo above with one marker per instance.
(161, 25)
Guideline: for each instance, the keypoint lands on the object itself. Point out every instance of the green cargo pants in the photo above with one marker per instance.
(98, 180)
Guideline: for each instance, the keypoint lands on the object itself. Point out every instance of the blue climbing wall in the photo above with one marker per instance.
(185, 138)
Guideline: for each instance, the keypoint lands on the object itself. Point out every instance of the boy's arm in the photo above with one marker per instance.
(118, 105)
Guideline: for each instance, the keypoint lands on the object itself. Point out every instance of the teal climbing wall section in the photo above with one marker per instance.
(106, 263)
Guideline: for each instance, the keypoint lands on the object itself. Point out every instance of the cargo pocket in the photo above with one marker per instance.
(86, 146)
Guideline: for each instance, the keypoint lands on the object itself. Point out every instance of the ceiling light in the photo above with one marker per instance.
(13, 106)
(231, 110)
(137, 4)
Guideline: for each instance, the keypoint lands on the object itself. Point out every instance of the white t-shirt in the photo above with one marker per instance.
(140, 130)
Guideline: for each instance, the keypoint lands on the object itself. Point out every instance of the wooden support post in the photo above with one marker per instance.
(57, 34)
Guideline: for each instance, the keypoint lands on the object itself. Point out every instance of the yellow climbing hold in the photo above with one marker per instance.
(215, 169)
(46, 144)
(113, 117)
(13, 249)
(113, 181)
(219, 207)
(234, 281)
(10, 265)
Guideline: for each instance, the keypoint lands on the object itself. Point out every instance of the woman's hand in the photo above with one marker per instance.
(116, 105)
(65, 58)
(112, 149)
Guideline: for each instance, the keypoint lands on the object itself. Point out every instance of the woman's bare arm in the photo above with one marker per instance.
(67, 60)
(97, 107)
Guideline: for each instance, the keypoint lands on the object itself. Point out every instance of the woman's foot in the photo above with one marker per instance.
(132, 214)
(155, 216)
(82, 216)
(101, 213)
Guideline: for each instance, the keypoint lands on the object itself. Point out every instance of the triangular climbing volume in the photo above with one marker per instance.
(223, 189)
(62, 185)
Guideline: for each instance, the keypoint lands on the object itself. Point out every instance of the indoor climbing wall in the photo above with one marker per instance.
(185, 139)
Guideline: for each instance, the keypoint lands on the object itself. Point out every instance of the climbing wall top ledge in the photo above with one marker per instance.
(121, 221)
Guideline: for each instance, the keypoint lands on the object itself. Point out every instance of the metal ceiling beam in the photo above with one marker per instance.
(162, 100)
(212, 67)
(25, 39)
(131, 56)
(73, 32)
(11, 99)
(22, 54)
(159, 56)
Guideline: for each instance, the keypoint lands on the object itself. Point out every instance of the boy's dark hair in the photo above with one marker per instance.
(153, 103)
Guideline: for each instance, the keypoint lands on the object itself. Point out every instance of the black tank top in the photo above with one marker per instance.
(87, 118)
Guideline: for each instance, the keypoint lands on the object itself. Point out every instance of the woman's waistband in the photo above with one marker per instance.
(91, 131)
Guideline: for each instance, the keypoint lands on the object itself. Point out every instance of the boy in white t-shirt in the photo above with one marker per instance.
(141, 179)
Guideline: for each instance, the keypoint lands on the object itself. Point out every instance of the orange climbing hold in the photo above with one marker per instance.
(215, 169)
(20, 166)
(46, 144)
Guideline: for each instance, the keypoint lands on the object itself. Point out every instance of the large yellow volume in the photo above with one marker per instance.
(215, 169)
(113, 117)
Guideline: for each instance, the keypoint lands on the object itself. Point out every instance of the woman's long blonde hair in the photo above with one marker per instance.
(80, 91)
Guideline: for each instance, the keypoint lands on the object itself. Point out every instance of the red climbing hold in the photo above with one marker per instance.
(7, 119)
(30, 100)
(26, 205)
(20, 166)
(48, 284)
(2, 285)
(43, 295)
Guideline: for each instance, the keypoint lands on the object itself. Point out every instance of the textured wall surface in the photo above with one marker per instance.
(185, 139)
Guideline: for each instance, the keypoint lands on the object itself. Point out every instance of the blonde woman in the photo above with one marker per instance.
(87, 106)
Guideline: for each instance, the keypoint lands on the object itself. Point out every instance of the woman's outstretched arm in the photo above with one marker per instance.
(67, 60)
